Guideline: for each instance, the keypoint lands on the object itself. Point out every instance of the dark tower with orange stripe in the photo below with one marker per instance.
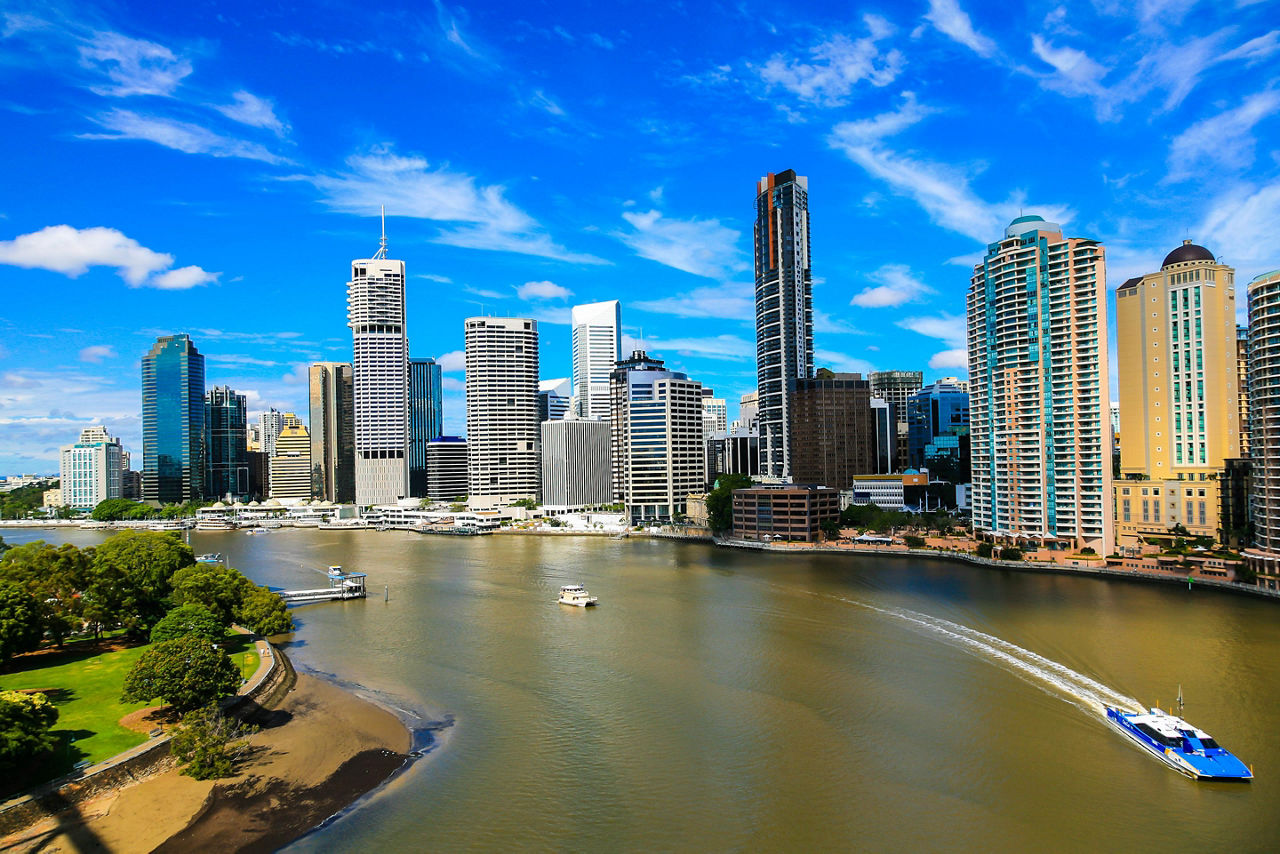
(784, 309)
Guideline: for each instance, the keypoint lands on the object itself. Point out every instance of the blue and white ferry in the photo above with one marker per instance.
(1179, 745)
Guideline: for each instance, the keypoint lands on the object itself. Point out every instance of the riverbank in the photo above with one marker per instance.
(319, 750)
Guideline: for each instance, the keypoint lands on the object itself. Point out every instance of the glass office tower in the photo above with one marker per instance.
(173, 449)
(425, 420)
(226, 421)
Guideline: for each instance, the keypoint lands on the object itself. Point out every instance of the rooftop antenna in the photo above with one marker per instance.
(382, 244)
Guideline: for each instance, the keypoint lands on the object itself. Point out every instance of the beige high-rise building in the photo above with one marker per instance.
(1179, 395)
(291, 465)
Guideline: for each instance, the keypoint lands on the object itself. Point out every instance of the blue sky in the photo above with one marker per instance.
(211, 168)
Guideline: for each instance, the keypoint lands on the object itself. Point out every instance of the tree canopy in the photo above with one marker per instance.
(186, 620)
(720, 501)
(21, 621)
(25, 721)
(186, 672)
(232, 598)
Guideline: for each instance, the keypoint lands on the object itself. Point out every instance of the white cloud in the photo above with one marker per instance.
(950, 20)
(249, 109)
(948, 328)
(897, 286)
(97, 353)
(299, 374)
(729, 347)
(239, 359)
(1075, 72)
(957, 359)
(134, 66)
(1224, 141)
(1255, 49)
(842, 363)
(72, 251)
(1240, 226)
(702, 247)
(838, 65)
(444, 280)
(543, 290)
(454, 360)
(408, 186)
(180, 136)
(730, 301)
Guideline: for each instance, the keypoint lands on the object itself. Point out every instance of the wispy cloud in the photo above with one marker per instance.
(134, 66)
(543, 290)
(410, 187)
(948, 328)
(1221, 142)
(97, 353)
(897, 285)
(956, 359)
(837, 65)
(72, 251)
(1240, 225)
(249, 109)
(702, 247)
(949, 19)
(180, 136)
(730, 301)
(727, 347)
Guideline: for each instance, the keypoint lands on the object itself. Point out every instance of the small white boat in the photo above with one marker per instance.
(577, 595)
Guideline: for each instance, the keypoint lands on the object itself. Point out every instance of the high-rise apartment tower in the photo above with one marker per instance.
(225, 426)
(784, 309)
(502, 410)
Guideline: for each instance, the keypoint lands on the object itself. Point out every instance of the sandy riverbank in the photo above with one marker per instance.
(319, 750)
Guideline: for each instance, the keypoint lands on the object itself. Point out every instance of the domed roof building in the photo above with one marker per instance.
(1186, 253)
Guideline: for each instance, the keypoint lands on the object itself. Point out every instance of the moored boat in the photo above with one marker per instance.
(1179, 745)
(576, 594)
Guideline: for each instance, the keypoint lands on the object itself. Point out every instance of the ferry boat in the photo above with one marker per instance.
(1179, 745)
(213, 557)
(576, 594)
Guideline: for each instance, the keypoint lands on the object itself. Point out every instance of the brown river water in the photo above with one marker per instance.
(728, 700)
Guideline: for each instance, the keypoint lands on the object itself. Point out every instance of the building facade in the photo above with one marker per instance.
(90, 471)
(226, 419)
(736, 451)
(886, 435)
(936, 410)
(576, 468)
(1037, 329)
(896, 389)
(173, 449)
(270, 423)
(426, 420)
(715, 413)
(291, 465)
(1178, 365)
(1242, 386)
(792, 512)
(554, 397)
(784, 309)
(333, 432)
(833, 429)
(597, 347)
(1264, 426)
(658, 452)
(502, 410)
(446, 468)
(380, 377)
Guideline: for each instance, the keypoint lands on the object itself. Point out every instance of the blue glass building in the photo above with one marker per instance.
(226, 422)
(173, 448)
(426, 421)
(937, 410)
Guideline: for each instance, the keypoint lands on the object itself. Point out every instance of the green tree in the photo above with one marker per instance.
(913, 542)
(264, 612)
(21, 621)
(56, 577)
(720, 501)
(186, 620)
(25, 721)
(831, 529)
(134, 569)
(113, 509)
(187, 673)
(206, 743)
(219, 588)
(1010, 554)
(985, 549)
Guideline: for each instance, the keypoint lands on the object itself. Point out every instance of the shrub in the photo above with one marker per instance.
(913, 542)
(25, 721)
(1087, 552)
(204, 743)
(984, 549)
(1011, 554)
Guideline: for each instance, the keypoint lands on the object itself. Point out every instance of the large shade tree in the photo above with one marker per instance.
(187, 673)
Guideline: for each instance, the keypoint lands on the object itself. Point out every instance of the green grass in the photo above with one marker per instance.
(85, 684)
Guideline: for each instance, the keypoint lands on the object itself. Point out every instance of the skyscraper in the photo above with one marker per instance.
(896, 388)
(784, 309)
(380, 377)
(225, 420)
(270, 423)
(553, 399)
(1242, 385)
(834, 430)
(502, 410)
(91, 470)
(658, 447)
(715, 413)
(291, 465)
(426, 420)
(1264, 427)
(1177, 362)
(173, 451)
(597, 346)
(333, 429)
(1038, 407)
(575, 463)
(938, 409)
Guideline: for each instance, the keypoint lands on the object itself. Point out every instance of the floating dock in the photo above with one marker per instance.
(342, 585)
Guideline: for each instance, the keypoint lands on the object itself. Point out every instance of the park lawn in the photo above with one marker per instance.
(86, 689)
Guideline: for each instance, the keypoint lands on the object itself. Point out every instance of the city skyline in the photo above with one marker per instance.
(215, 197)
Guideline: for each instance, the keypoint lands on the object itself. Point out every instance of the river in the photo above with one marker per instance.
(728, 700)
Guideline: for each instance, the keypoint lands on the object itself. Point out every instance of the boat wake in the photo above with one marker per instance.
(1057, 679)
